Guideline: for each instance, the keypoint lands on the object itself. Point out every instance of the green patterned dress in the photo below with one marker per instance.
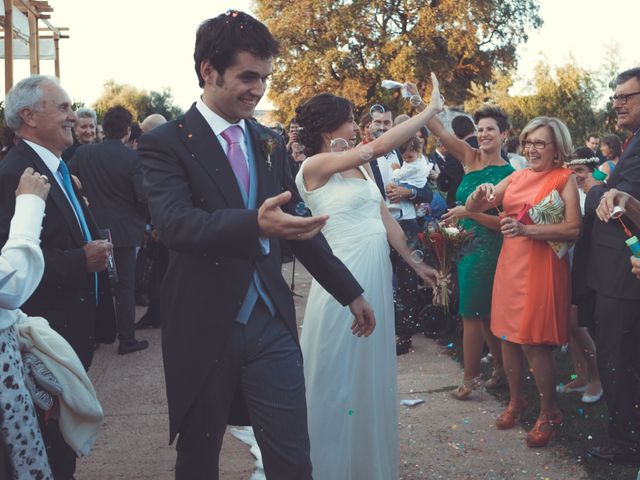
(477, 268)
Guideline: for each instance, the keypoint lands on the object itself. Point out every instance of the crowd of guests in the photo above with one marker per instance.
(550, 264)
(527, 286)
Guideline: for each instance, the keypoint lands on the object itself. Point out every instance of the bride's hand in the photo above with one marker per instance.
(364, 321)
(429, 275)
(437, 100)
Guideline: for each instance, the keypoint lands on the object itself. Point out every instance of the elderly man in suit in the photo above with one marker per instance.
(221, 195)
(111, 178)
(617, 289)
(74, 294)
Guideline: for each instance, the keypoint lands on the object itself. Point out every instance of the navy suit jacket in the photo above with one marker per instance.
(66, 295)
(111, 177)
(609, 268)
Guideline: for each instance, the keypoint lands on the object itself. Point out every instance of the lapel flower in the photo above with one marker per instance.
(267, 144)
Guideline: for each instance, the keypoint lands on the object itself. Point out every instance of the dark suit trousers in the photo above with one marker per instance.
(264, 362)
(124, 291)
(617, 342)
(62, 458)
(405, 292)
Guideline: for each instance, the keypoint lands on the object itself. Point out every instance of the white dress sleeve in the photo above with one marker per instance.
(21, 261)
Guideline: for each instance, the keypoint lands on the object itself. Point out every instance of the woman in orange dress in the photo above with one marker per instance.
(531, 292)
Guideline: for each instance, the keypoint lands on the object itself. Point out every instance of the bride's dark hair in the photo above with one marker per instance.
(320, 114)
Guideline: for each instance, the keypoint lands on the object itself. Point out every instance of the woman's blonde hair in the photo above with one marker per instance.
(561, 136)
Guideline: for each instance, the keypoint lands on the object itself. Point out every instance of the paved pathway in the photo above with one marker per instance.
(440, 439)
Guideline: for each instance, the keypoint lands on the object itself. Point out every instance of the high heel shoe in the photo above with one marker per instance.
(543, 430)
(464, 391)
(512, 414)
(498, 379)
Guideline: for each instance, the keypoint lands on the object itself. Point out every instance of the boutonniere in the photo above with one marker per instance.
(267, 143)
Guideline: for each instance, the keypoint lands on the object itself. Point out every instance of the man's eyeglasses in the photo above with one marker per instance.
(537, 144)
(622, 98)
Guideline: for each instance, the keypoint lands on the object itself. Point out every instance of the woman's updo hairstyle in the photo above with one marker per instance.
(491, 111)
(322, 113)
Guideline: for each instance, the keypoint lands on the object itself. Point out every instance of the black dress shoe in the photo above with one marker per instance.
(142, 300)
(616, 453)
(131, 346)
(403, 345)
(146, 321)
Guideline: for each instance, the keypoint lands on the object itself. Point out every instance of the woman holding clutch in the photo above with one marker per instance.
(531, 292)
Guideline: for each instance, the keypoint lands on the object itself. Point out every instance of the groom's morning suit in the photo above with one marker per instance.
(617, 312)
(215, 358)
(66, 295)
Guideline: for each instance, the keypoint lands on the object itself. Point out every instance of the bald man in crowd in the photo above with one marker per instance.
(152, 121)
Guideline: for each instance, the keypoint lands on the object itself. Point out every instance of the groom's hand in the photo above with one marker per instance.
(364, 320)
(274, 223)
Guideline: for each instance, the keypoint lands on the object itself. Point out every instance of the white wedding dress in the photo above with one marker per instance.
(351, 382)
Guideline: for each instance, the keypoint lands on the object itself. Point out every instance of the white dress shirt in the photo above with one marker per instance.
(52, 162)
(405, 209)
(219, 125)
(21, 261)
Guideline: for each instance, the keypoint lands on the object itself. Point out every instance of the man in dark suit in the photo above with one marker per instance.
(111, 178)
(617, 289)
(400, 201)
(221, 196)
(40, 113)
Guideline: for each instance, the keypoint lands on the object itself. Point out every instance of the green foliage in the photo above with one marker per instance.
(348, 47)
(568, 92)
(139, 102)
(162, 103)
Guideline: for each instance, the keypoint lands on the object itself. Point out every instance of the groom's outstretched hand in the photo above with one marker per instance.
(364, 320)
(274, 223)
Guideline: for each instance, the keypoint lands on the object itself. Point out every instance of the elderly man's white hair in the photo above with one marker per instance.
(27, 93)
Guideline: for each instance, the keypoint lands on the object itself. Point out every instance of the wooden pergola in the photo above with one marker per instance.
(34, 11)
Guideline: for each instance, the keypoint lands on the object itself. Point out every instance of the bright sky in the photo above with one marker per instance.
(149, 43)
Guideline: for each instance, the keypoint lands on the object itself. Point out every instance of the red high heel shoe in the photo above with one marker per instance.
(511, 415)
(544, 429)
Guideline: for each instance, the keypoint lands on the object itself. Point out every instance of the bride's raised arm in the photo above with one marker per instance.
(320, 167)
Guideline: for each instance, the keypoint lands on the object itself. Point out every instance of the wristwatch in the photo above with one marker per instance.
(414, 193)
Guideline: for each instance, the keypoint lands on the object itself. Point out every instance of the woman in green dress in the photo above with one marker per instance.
(483, 163)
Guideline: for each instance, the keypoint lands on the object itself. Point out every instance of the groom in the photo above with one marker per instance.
(221, 196)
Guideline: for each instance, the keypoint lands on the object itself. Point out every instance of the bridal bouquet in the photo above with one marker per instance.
(443, 244)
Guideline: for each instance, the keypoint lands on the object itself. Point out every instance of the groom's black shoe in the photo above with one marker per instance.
(131, 346)
(403, 345)
(147, 321)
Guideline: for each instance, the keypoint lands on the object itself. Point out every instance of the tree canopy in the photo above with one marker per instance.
(139, 102)
(568, 92)
(348, 47)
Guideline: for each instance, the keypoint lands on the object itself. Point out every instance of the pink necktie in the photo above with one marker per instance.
(233, 135)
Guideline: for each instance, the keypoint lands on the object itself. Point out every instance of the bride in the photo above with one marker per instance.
(351, 382)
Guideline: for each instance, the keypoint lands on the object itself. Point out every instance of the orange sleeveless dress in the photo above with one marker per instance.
(532, 286)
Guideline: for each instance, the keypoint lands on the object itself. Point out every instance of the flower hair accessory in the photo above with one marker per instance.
(267, 143)
(583, 161)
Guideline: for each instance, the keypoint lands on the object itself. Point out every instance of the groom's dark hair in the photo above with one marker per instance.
(219, 39)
